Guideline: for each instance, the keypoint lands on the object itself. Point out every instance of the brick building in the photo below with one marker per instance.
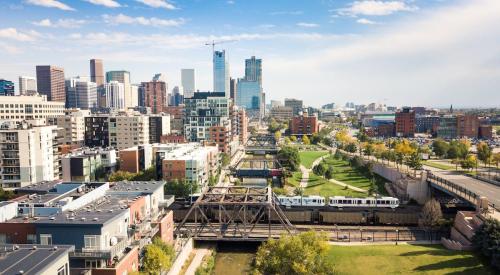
(303, 125)
(405, 122)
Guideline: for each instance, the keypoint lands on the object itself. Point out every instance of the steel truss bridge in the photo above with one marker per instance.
(258, 168)
(241, 214)
(261, 145)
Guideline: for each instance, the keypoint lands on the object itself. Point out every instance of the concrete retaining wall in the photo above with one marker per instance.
(181, 259)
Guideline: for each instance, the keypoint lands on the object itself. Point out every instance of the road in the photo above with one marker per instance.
(488, 190)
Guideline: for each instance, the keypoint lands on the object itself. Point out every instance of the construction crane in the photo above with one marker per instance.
(217, 43)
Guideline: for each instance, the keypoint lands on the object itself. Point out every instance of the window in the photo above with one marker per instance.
(62, 270)
(45, 239)
(3, 239)
(31, 238)
(91, 241)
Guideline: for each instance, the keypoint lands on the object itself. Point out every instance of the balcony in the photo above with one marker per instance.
(115, 251)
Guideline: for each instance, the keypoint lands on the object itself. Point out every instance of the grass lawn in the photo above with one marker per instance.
(295, 179)
(346, 174)
(405, 259)
(320, 186)
(308, 157)
(438, 165)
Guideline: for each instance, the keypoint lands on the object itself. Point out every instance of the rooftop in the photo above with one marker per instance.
(144, 187)
(28, 260)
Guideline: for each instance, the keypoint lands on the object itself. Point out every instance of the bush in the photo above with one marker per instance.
(487, 239)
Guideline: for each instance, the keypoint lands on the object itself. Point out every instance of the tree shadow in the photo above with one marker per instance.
(468, 262)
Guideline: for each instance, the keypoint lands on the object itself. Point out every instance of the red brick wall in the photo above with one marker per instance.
(176, 167)
(136, 207)
(17, 232)
(166, 224)
(129, 263)
(129, 161)
(303, 125)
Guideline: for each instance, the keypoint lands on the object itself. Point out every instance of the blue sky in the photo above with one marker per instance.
(398, 52)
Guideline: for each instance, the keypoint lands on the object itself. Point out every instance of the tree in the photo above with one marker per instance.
(487, 239)
(351, 148)
(287, 141)
(319, 169)
(431, 213)
(414, 162)
(293, 138)
(225, 159)
(298, 191)
(5, 194)
(277, 135)
(368, 149)
(315, 138)
(180, 188)
(496, 159)
(146, 175)
(289, 157)
(155, 260)
(484, 153)
(167, 249)
(440, 147)
(305, 140)
(121, 176)
(305, 253)
(329, 172)
(279, 191)
(469, 163)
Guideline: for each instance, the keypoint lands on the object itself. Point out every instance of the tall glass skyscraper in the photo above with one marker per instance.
(249, 92)
(253, 69)
(221, 73)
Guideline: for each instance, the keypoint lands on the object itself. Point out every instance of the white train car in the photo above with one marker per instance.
(384, 202)
(302, 201)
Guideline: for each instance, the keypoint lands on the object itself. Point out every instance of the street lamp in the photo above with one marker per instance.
(397, 238)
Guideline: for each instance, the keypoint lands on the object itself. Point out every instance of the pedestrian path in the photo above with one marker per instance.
(305, 176)
(197, 260)
(348, 186)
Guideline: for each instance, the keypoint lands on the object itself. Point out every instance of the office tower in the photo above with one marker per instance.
(155, 95)
(249, 96)
(176, 97)
(97, 72)
(28, 153)
(81, 93)
(405, 122)
(124, 78)
(19, 108)
(6, 87)
(202, 111)
(188, 82)
(233, 88)
(115, 95)
(135, 94)
(27, 85)
(50, 82)
(295, 104)
(253, 69)
(221, 73)
(141, 91)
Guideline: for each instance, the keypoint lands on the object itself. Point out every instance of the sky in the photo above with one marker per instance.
(396, 52)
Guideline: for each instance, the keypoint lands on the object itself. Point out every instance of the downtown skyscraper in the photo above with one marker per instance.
(221, 73)
(50, 82)
(249, 89)
(188, 82)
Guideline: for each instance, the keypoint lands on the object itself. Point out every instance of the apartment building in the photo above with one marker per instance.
(282, 112)
(136, 159)
(19, 108)
(72, 127)
(405, 122)
(303, 125)
(88, 164)
(239, 124)
(159, 125)
(28, 154)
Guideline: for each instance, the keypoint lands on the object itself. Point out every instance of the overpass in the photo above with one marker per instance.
(235, 214)
(261, 145)
(464, 187)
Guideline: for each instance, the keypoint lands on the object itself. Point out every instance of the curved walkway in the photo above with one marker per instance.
(354, 188)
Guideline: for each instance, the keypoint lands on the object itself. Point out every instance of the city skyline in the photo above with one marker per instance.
(393, 52)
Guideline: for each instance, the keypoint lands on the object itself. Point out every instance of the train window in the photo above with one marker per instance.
(360, 202)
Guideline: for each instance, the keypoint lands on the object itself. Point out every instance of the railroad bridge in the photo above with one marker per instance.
(235, 214)
(258, 167)
(261, 145)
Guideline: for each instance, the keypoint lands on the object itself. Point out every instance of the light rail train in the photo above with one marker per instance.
(339, 201)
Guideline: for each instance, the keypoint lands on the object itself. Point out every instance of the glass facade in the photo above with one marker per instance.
(249, 95)
(6, 87)
(221, 73)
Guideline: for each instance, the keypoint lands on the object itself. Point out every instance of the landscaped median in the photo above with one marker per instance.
(405, 259)
(308, 157)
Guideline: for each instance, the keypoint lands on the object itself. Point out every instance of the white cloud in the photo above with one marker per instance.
(365, 21)
(286, 12)
(267, 26)
(50, 4)
(14, 34)
(9, 48)
(307, 25)
(158, 4)
(376, 8)
(230, 2)
(106, 3)
(153, 21)
(60, 23)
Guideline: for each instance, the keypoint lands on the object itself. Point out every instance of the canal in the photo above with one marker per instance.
(234, 258)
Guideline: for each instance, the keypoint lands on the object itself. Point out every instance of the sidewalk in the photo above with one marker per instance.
(348, 186)
(198, 259)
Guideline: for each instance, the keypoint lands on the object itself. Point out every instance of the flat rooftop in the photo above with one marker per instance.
(24, 259)
(143, 187)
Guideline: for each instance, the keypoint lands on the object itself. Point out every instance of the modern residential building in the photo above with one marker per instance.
(191, 162)
(177, 114)
(50, 82)
(42, 260)
(427, 124)
(405, 122)
(239, 124)
(137, 158)
(97, 131)
(27, 85)
(205, 110)
(97, 72)
(124, 78)
(282, 113)
(71, 127)
(115, 95)
(303, 125)
(221, 73)
(6, 88)
(83, 166)
(159, 125)
(188, 82)
(19, 108)
(134, 88)
(295, 104)
(81, 93)
(28, 153)
(155, 95)
(221, 136)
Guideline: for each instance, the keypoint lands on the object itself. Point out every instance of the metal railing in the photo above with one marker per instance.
(115, 250)
(454, 188)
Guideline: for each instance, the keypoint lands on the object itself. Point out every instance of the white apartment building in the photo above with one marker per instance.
(115, 95)
(72, 127)
(28, 154)
(27, 85)
(19, 108)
